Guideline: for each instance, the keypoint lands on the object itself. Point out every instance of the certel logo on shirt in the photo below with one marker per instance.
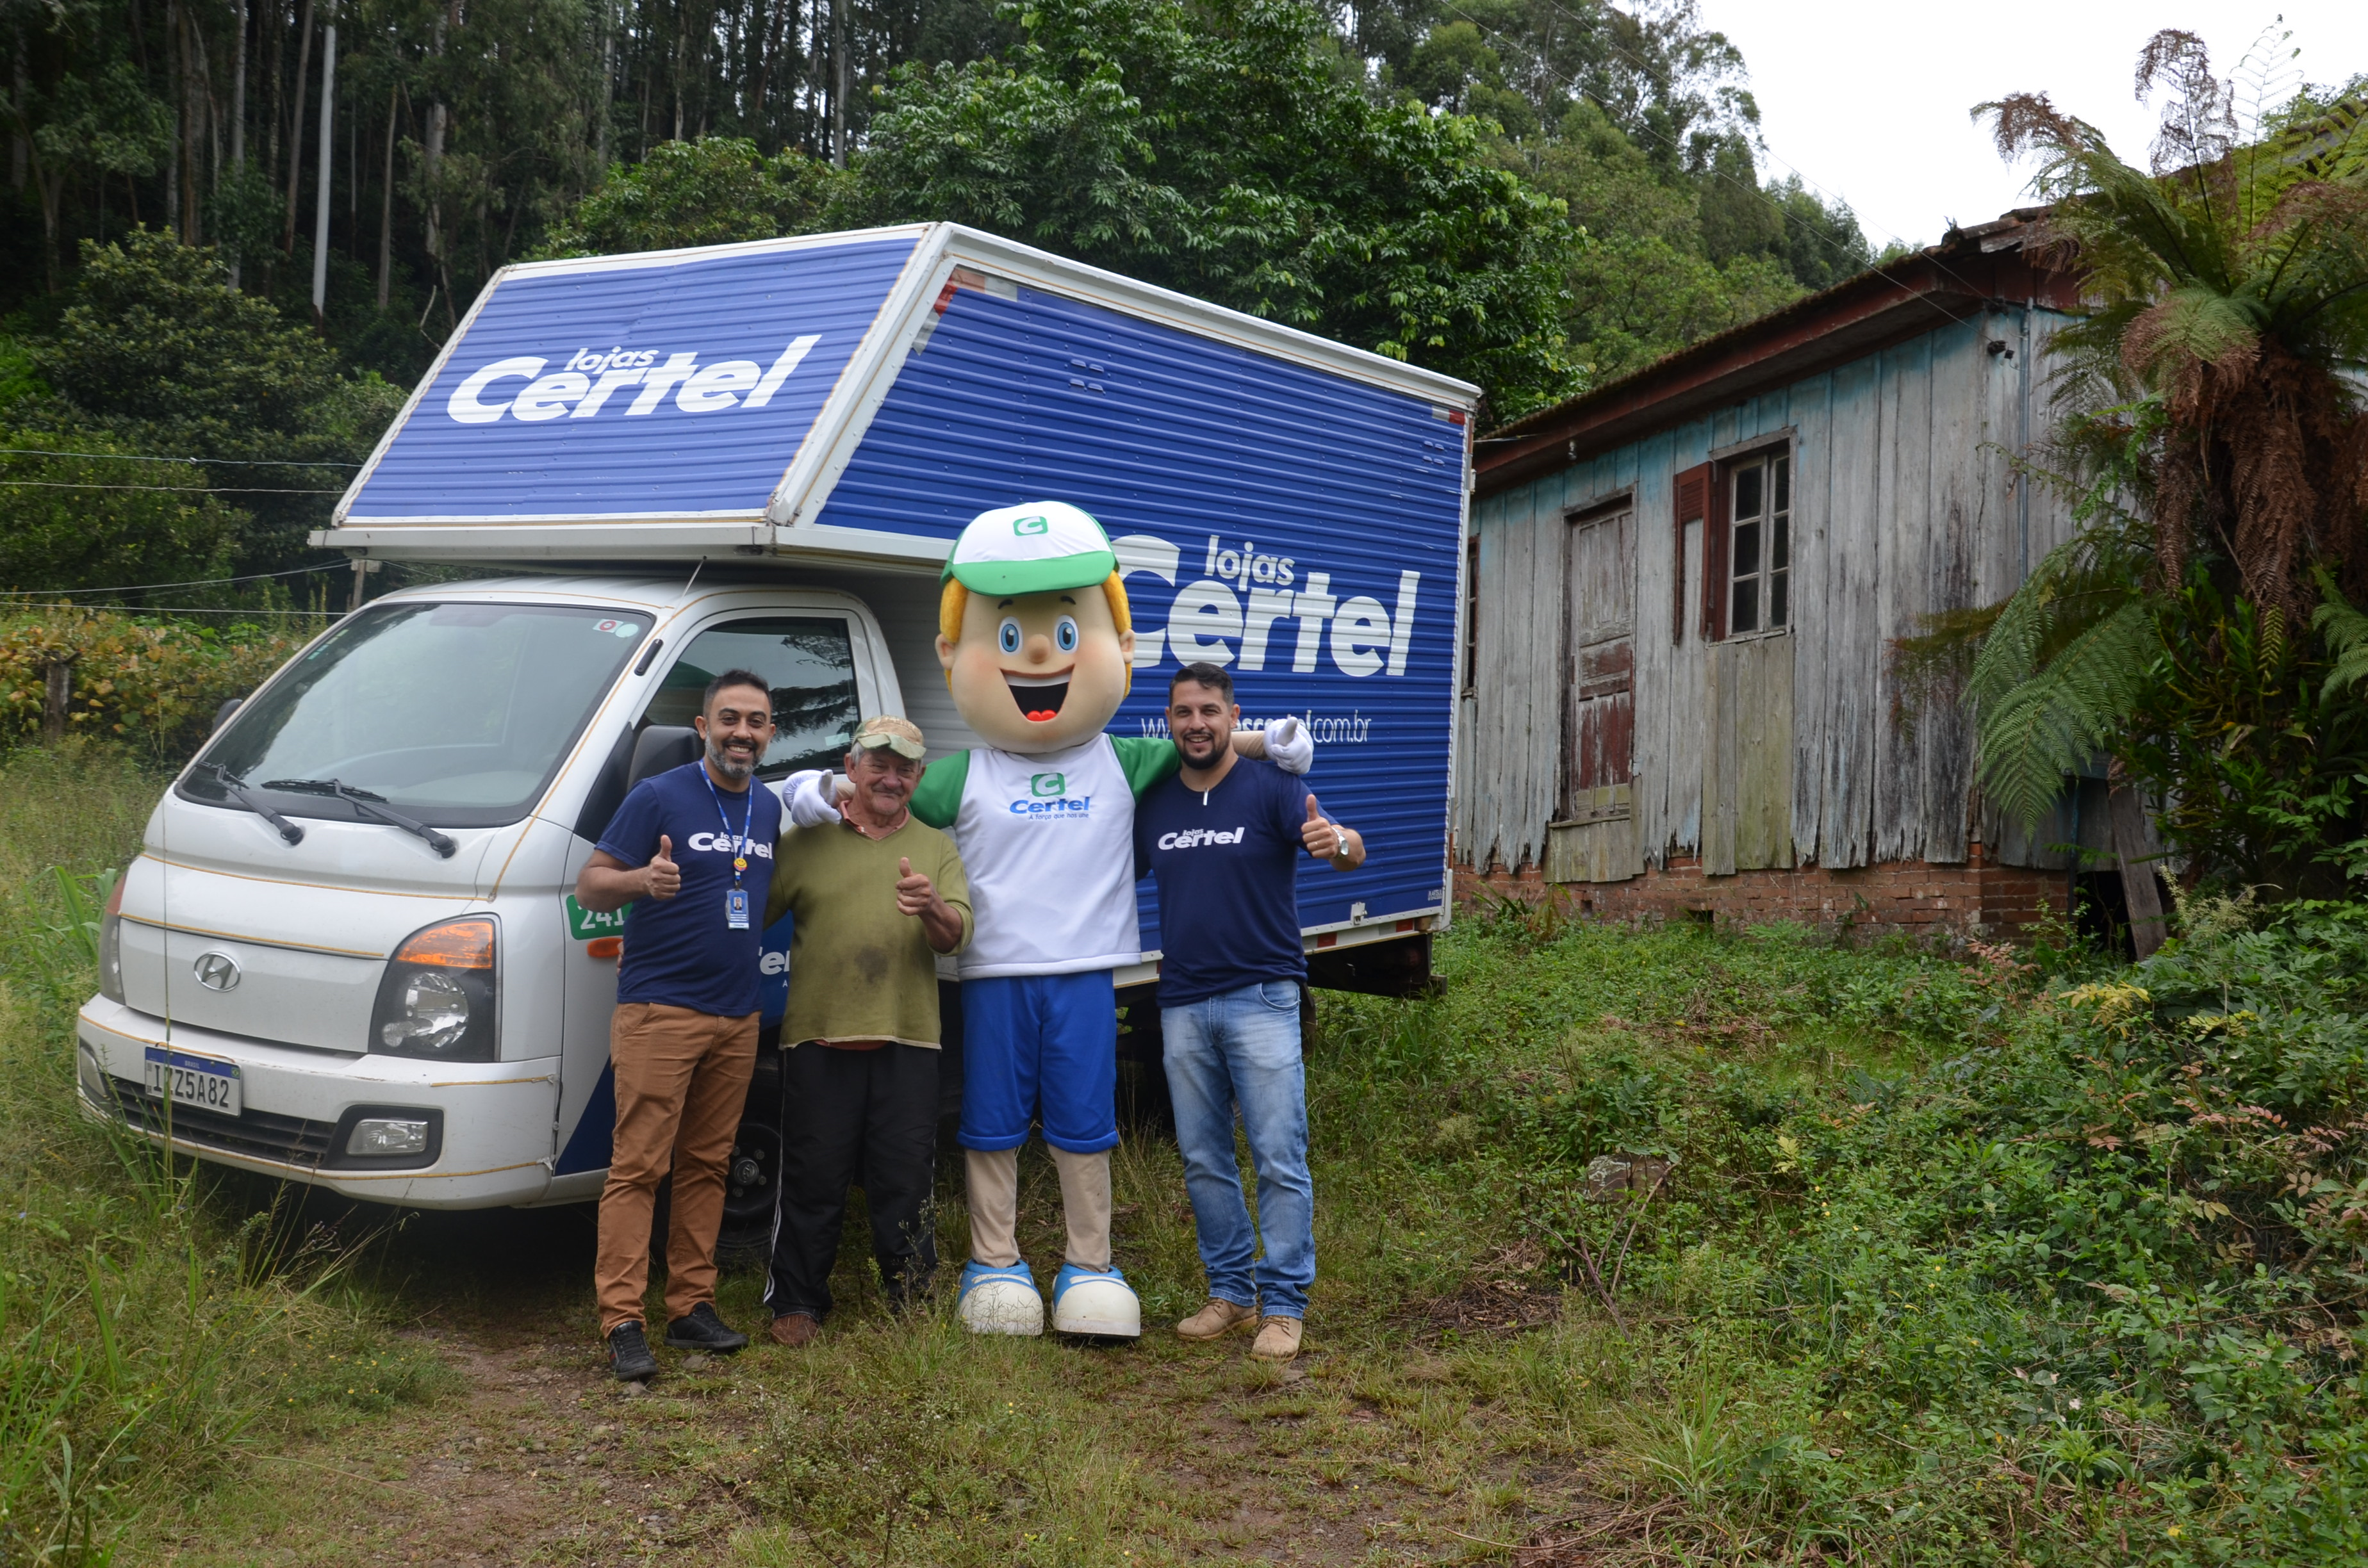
(728, 844)
(592, 378)
(1050, 797)
(1199, 838)
(1024, 526)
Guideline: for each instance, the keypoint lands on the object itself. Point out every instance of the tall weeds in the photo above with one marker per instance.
(145, 1327)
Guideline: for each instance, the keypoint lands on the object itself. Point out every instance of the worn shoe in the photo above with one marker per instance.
(1100, 1304)
(701, 1329)
(796, 1330)
(1000, 1300)
(1277, 1339)
(1216, 1320)
(629, 1354)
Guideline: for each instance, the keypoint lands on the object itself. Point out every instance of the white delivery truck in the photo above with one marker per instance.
(346, 953)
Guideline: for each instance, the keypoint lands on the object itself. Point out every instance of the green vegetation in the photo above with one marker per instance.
(156, 1331)
(150, 682)
(1749, 1247)
(2214, 450)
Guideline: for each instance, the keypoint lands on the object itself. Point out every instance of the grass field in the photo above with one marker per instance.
(1636, 1248)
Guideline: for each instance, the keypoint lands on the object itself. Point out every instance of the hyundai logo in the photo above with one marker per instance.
(216, 971)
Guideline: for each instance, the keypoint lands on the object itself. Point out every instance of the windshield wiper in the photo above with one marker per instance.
(363, 800)
(235, 788)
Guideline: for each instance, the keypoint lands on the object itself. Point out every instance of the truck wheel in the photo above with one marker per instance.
(752, 1182)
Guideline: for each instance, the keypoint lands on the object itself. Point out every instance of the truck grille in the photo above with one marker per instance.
(259, 1134)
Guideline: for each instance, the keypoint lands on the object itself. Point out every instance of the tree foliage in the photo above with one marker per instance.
(155, 356)
(696, 193)
(1217, 151)
(2218, 459)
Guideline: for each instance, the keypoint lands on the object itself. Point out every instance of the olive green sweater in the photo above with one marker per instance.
(859, 968)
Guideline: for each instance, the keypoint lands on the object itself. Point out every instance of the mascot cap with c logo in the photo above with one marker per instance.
(1038, 546)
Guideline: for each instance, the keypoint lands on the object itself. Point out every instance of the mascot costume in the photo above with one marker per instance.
(1039, 650)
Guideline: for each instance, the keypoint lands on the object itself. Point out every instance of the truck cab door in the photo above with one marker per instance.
(818, 664)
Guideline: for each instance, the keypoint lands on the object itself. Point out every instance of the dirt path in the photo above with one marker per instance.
(533, 1455)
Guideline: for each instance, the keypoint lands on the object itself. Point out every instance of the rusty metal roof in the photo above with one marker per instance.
(1973, 268)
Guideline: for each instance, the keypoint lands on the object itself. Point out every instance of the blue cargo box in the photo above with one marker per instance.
(1282, 505)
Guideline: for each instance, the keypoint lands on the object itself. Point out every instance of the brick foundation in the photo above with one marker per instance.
(1978, 899)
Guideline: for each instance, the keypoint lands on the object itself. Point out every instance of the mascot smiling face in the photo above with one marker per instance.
(1033, 630)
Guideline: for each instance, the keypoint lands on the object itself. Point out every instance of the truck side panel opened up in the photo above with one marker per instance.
(346, 954)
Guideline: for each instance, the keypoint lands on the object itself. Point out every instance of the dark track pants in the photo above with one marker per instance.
(865, 1119)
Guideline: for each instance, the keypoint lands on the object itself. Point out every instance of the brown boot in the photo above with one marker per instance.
(796, 1330)
(1277, 1339)
(1216, 1320)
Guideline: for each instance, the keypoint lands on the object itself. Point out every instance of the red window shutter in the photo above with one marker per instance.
(1717, 534)
(1692, 487)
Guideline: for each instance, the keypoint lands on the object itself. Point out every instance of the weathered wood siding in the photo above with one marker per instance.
(1905, 504)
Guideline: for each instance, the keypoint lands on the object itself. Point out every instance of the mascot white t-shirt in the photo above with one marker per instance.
(1048, 843)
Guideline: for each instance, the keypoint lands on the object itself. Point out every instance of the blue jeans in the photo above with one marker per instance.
(1240, 1051)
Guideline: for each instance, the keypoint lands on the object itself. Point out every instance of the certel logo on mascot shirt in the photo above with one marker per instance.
(1049, 797)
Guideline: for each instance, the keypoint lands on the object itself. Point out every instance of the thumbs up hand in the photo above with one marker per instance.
(914, 892)
(1323, 840)
(664, 876)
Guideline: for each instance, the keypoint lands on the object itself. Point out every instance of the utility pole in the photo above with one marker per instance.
(321, 204)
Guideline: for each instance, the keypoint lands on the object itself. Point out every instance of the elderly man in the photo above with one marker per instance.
(875, 897)
(683, 1041)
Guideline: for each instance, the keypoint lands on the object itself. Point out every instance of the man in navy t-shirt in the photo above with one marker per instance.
(692, 851)
(1223, 836)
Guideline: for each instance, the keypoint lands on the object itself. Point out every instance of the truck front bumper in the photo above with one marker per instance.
(491, 1121)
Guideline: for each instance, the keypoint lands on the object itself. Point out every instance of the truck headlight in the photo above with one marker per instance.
(110, 945)
(437, 997)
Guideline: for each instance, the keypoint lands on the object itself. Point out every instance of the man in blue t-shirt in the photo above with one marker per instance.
(691, 850)
(1223, 836)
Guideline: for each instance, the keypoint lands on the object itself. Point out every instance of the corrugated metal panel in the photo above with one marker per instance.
(716, 368)
(1323, 511)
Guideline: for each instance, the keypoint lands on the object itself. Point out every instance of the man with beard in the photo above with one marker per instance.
(691, 851)
(1223, 836)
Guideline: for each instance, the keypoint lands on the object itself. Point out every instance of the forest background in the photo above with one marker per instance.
(1534, 194)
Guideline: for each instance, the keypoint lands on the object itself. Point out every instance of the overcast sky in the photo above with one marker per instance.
(1868, 99)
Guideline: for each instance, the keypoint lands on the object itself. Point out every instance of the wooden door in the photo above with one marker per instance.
(1600, 727)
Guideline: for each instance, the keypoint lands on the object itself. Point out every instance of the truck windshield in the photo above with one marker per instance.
(455, 713)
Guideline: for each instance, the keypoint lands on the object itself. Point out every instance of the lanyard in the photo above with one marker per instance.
(747, 820)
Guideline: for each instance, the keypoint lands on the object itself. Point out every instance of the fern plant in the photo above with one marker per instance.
(2207, 431)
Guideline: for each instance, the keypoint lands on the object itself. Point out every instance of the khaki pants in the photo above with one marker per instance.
(682, 1079)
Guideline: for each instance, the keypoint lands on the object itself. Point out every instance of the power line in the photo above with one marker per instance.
(150, 587)
(175, 489)
(145, 458)
(211, 609)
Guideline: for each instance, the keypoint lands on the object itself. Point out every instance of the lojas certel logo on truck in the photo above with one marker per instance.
(1254, 610)
(592, 380)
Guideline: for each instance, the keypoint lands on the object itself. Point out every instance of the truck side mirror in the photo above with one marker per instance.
(223, 713)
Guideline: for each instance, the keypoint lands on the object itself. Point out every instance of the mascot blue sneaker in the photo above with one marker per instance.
(1000, 1300)
(1101, 1305)
(1038, 648)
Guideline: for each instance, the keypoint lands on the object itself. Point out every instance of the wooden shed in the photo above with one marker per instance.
(1678, 688)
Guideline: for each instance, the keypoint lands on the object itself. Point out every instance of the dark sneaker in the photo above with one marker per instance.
(629, 1354)
(701, 1329)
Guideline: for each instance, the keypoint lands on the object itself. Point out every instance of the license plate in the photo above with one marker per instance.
(203, 1082)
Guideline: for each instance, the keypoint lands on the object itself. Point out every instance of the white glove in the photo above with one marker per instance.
(1289, 746)
(813, 797)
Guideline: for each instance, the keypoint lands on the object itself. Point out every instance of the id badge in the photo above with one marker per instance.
(736, 908)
